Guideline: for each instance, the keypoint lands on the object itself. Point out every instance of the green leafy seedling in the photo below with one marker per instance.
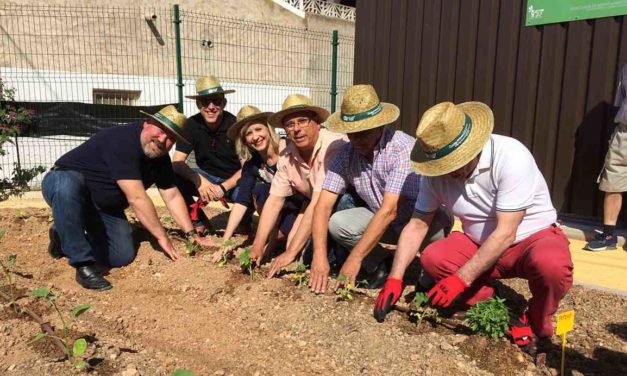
(7, 269)
(21, 214)
(226, 256)
(423, 309)
(191, 248)
(74, 350)
(183, 372)
(489, 318)
(300, 276)
(245, 262)
(346, 290)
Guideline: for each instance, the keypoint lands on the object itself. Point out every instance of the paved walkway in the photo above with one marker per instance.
(601, 270)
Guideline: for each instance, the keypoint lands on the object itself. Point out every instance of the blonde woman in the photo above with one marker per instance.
(258, 145)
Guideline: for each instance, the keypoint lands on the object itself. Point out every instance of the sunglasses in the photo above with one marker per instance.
(216, 101)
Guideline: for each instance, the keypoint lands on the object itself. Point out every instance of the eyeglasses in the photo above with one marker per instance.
(216, 101)
(301, 122)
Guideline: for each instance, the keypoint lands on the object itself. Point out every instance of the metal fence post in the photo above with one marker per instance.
(179, 63)
(334, 43)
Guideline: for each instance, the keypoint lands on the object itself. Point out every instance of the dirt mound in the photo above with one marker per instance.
(217, 321)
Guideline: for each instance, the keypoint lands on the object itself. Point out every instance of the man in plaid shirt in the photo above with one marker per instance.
(376, 163)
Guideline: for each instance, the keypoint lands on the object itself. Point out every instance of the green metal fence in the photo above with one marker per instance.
(117, 59)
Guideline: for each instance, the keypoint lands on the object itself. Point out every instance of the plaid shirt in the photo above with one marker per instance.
(389, 171)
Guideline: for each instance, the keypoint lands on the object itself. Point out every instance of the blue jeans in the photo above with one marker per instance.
(87, 234)
(189, 191)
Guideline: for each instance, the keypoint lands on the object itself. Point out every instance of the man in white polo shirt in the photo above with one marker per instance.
(492, 184)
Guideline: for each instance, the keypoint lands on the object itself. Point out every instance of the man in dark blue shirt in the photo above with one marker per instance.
(219, 167)
(90, 186)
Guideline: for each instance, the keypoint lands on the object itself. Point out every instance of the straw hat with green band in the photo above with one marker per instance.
(171, 120)
(245, 116)
(297, 103)
(361, 110)
(449, 136)
(208, 86)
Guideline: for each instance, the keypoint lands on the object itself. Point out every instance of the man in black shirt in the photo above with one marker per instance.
(90, 186)
(219, 167)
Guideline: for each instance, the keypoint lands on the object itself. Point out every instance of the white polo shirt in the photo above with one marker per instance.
(505, 179)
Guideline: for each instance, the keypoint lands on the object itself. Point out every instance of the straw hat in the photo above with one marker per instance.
(207, 86)
(362, 110)
(171, 120)
(296, 103)
(449, 136)
(245, 116)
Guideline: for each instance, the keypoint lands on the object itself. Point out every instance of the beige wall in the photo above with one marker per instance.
(115, 39)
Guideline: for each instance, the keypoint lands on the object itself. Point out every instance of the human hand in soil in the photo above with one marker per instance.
(350, 269)
(203, 242)
(256, 254)
(388, 296)
(319, 275)
(219, 256)
(446, 290)
(168, 248)
(280, 262)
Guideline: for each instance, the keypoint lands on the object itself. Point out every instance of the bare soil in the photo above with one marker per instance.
(193, 314)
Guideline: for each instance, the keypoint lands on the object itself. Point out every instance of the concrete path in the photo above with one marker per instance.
(600, 270)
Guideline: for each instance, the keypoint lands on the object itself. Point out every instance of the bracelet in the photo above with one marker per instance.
(223, 189)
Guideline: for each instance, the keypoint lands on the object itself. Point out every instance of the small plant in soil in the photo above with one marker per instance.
(227, 252)
(246, 263)
(489, 318)
(345, 292)
(423, 310)
(21, 214)
(183, 372)
(74, 349)
(300, 275)
(191, 248)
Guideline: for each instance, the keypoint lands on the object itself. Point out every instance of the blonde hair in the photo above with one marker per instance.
(244, 151)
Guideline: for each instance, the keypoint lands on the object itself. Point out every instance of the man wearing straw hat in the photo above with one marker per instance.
(89, 187)
(376, 163)
(493, 185)
(301, 169)
(219, 167)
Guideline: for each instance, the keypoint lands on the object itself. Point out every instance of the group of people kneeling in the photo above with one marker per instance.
(345, 192)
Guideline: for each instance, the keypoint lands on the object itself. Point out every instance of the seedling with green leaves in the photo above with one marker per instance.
(423, 309)
(74, 350)
(346, 290)
(183, 372)
(227, 252)
(489, 318)
(300, 275)
(191, 248)
(22, 214)
(245, 262)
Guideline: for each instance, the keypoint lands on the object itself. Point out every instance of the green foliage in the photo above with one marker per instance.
(228, 244)
(191, 248)
(245, 262)
(489, 318)
(227, 252)
(346, 290)
(12, 121)
(78, 347)
(183, 372)
(300, 276)
(423, 310)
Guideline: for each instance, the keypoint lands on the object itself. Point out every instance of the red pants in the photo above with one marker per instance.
(543, 259)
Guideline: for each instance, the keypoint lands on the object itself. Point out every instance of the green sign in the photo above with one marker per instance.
(540, 12)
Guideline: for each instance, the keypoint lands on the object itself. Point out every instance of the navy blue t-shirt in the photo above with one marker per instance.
(116, 154)
(254, 171)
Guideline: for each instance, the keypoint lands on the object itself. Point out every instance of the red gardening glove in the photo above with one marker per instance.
(198, 205)
(446, 290)
(520, 331)
(388, 296)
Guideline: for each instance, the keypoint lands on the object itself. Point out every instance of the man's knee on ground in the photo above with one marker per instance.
(122, 257)
(431, 259)
(338, 228)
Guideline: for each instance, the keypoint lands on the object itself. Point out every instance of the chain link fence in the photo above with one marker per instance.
(84, 68)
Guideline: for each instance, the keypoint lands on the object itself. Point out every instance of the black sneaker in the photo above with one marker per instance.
(54, 247)
(90, 278)
(602, 242)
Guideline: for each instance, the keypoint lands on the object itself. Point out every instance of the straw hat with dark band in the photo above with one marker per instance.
(361, 110)
(208, 86)
(297, 103)
(169, 119)
(245, 116)
(449, 136)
